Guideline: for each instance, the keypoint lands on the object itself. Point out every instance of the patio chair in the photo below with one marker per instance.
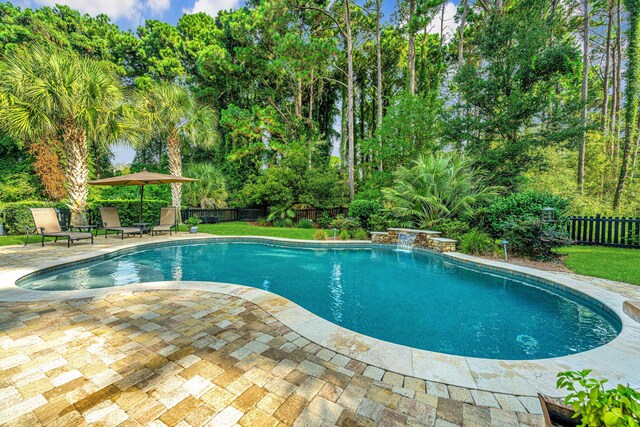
(167, 221)
(111, 222)
(47, 225)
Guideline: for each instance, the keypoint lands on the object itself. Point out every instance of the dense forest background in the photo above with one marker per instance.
(319, 102)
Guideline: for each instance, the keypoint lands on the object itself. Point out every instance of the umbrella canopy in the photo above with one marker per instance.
(141, 179)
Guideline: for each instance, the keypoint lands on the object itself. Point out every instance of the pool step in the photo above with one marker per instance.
(632, 309)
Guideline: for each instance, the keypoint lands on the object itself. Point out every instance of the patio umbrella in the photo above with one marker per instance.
(141, 178)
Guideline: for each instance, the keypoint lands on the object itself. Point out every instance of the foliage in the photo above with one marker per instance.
(324, 220)
(360, 234)
(17, 187)
(344, 235)
(345, 223)
(435, 187)
(263, 222)
(476, 242)
(362, 210)
(210, 189)
(450, 228)
(305, 223)
(17, 216)
(48, 167)
(194, 220)
(533, 238)
(281, 216)
(597, 406)
(128, 210)
(320, 235)
(523, 205)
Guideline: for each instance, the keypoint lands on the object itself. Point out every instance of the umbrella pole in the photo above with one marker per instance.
(141, 194)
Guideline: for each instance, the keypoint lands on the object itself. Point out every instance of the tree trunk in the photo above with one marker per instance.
(632, 92)
(605, 95)
(299, 97)
(175, 167)
(349, 41)
(77, 172)
(619, 70)
(463, 21)
(379, 80)
(585, 90)
(441, 29)
(412, 49)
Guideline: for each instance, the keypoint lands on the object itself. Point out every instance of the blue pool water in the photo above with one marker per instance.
(415, 299)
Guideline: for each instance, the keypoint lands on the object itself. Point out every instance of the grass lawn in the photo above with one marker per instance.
(245, 229)
(622, 265)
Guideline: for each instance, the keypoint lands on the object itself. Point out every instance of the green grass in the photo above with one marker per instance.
(622, 265)
(245, 229)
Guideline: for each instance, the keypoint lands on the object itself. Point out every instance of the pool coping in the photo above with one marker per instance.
(618, 360)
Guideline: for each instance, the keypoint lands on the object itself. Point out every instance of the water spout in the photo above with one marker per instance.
(406, 240)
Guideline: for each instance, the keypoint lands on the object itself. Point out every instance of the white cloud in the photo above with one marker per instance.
(115, 9)
(450, 26)
(158, 6)
(212, 7)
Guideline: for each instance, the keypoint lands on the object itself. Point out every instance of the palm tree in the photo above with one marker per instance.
(64, 99)
(172, 114)
(445, 185)
(210, 190)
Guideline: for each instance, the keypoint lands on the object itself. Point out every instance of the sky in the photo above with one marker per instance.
(129, 14)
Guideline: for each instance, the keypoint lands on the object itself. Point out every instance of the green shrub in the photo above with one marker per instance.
(305, 223)
(281, 215)
(262, 222)
(343, 223)
(360, 234)
(534, 238)
(344, 235)
(194, 220)
(477, 242)
(523, 205)
(17, 215)
(594, 405)
(384, 220)
(320, 235)
(363, 210)
(450, 228)
(128, 210)
(324, 220)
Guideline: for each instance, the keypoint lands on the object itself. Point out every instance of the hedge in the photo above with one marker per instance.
(128, 210)
(17, 216)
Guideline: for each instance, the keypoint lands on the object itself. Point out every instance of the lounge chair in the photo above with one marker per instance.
(167, 221)
(111, 222)
(47, 225)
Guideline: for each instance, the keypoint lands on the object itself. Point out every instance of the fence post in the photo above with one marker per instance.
(597, 236)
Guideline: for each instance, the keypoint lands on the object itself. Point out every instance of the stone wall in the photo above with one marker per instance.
(424, 239)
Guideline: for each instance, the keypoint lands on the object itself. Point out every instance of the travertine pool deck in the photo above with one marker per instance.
(196, 353)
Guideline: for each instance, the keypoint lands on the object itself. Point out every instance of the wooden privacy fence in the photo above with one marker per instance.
(227, 215)
(604, 231)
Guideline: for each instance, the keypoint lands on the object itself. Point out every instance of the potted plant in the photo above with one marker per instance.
(588, 403)
(193, 222)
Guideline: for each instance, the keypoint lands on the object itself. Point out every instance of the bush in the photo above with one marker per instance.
(595, 406)
(342, 223)
(360, 234)
(305, 223)
(128, 210)
(524, 205)
(477, 242)
(450, 228)
(324, 220)
(534, 238)
(17, 215)
(320, 235)
(363, 210)
(344, 235)
(281, 223)
(384, 220)
(263, 222)
(194, 220)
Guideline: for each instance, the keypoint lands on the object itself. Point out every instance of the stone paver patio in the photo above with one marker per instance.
(189, 357)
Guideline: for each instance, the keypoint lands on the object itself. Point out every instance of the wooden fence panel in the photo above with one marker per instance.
(605, 231)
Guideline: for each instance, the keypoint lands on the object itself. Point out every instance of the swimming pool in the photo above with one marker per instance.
(417, 299)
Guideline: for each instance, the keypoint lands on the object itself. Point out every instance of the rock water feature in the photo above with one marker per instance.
(406, 240)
